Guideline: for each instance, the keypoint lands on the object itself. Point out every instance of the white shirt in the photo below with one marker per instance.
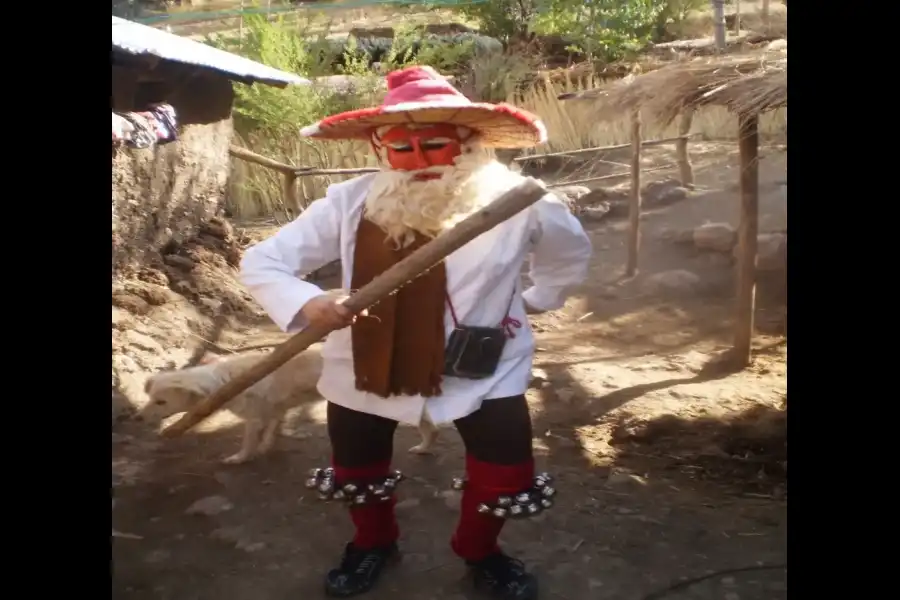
(482, 276)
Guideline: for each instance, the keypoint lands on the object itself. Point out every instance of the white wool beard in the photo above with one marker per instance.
(401, 205)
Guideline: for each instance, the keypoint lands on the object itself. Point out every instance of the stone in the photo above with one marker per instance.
(623, 478)
(677, 281)
(571, 194)
(210, 506)
(142, 341)
(771, 251)
(408, 503)
(565, 395)
(597, 212)
(716, 237)
(451, 499)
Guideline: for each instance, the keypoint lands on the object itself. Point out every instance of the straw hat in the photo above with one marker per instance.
(421, 95)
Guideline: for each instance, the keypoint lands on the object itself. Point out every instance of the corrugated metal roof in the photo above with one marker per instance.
(138, 39)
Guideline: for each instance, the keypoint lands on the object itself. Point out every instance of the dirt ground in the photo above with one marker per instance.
(669, 469)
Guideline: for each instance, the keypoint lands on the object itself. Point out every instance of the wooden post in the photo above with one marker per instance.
(634, 207)
(765, 15)
(748, 144)
(681, 148)
(737, 17)
(290, 194)
(509, 204)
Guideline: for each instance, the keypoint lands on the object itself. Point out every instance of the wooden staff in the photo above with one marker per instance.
(511, 203)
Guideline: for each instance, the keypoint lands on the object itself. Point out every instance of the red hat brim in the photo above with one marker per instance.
(499, 125)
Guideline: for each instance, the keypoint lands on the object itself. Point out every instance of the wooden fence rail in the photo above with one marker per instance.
(292, 172)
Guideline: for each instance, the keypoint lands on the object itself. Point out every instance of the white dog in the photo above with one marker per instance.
(262, 406)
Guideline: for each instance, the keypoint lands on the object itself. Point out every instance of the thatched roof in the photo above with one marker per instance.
(752, 83)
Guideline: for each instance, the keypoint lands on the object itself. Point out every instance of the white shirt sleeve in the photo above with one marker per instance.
(272, 269)
(560, 256)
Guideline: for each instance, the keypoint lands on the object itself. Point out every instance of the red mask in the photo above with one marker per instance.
(416, 149)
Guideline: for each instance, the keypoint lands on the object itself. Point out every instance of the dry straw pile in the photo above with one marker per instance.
(752, 83)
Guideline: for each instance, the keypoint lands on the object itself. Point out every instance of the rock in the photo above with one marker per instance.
(771, 251)
(623, 478)
(717, 237)
(120, 318)
(676, 281)
(667, 191)
(179, 262)
(249, 546)
(210, 506)
(596, 212)
(129, 302)
(124, 364)
(451, 498)
(448, 28)
(408, 503)
(538, 376)
(154, 295)
(571, 194)
(565, 395)
(142, 341)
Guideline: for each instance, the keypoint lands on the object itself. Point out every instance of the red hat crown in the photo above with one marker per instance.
(421, 85)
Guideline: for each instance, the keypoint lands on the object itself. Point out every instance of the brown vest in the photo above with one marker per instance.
(398, 349)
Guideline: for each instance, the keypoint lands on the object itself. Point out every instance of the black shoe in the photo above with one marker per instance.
(504, 578)
(359, 570)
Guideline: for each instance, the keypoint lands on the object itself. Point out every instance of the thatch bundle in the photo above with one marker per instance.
(745, 84)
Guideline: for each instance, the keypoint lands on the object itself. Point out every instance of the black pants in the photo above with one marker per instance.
(499, 432)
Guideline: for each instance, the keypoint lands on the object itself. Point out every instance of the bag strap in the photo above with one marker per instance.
(508, 323)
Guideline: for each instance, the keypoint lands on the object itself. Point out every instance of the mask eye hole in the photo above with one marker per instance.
(433, 145)
(160, 402)
(400, 147)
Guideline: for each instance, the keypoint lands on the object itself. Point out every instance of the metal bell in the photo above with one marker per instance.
(546, 502)
(312, 482)
(324, 495)
(326, 487)
(384, 498)
(339, 495)
(533, 509)
(390, 483)
(516, 510)
(548, 492)
(546, 477)
(316, 472)
(350, 489)
(379, 491)
(359, 499)
(329, 472)
(371, 487)
(499, 512)
(539, 482)
(523, 498)
(458, 483)
(504, 501)
(483, 509)
(398, 476)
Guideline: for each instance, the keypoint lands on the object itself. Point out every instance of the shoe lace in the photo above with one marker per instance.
(359, 561)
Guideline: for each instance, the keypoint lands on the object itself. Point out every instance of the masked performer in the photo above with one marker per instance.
(452, 345)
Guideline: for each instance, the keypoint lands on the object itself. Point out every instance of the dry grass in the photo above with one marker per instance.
(256, 191)
(574, 125)
(753, 82)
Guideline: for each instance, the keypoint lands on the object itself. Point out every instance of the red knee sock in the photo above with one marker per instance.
(375, 523)
(476, 534)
